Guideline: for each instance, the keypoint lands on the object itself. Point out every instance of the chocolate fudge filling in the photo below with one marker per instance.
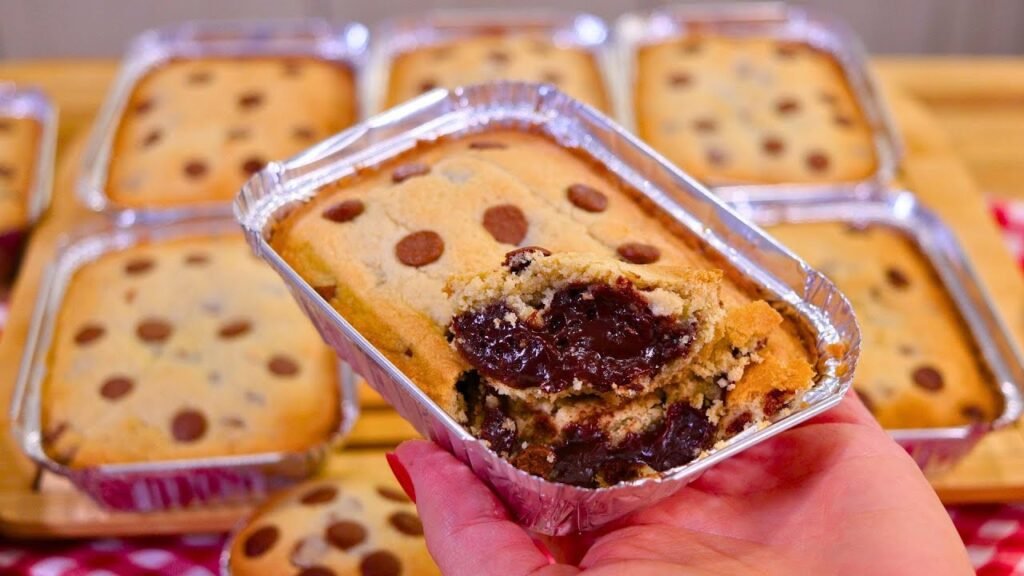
(584, 454)
(594, 335)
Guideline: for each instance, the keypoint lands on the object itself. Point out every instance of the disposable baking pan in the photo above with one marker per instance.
(768, 20)
(551, 508)
(934, 449)
(33, 104)
(148, 486)
(345, 44)
(563, 28)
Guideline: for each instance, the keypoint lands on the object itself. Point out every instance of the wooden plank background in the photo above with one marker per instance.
(59, 28)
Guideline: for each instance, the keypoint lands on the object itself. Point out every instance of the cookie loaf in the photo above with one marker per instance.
(751, 110)
(489, 57)
(918, 365)
(194, 130)
(185, 348)
(19, 147)
(380, 247)
(351, 526)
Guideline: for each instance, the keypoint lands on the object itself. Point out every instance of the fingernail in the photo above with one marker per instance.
(401, 474)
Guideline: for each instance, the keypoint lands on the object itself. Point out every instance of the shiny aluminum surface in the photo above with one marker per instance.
(804, 294)
(147, 486)
(345, 44)
(934, 449)
(18, 102)
(770, 20)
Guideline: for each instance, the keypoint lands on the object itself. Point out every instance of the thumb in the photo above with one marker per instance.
(467, 528)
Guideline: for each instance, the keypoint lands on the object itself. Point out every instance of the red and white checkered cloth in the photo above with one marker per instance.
(994, 534)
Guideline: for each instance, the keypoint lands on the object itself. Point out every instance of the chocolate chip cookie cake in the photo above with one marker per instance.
(357, 525)
(19, 147)
(498, 56)
(624, 352)
(184, 348)
(194, 130)
(918, 366)
(751, 110)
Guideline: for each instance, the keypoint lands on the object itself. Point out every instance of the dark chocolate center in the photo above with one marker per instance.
(598, 335)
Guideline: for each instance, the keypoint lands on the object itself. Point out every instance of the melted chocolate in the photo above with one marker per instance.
(597, 334)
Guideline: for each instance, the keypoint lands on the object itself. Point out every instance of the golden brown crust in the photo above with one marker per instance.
(19, 149)
(485, 58)
(909, 325)
(403, 308)
(194, 130)
(334, 523)
(186, 348)
(751, 110)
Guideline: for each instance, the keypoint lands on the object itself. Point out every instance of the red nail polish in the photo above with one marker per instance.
(401, 474)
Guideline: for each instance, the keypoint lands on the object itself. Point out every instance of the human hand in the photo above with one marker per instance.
(833, 496)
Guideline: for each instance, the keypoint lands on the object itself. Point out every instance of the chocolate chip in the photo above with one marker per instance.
(419, 248)
(406, 171)
(928, 378)
(408, 352)
(690, 47)
(775, 401)
(129, 295)
(238, 133)
(345, 534)
(153, 330)
(906, 350)
(498, 57)
(828, 98)
(587, 198)
(260, 541)
(843, 120)
(152, 138)
(252, 165)
(6, 125)
(304, 133)
(188, 425)
(250, 100)
(896, 278)
(144, 106)
(344, 211)
(292, 68)
(716, 157)
(200, 77)
(787, 106)
(320, 495)
(638, 253)
(406, 523)
(427, 85)
(116, 387)
(772, 146)
(517, 260)
(234, 329)
(680, 79)
(551, 77)
(787, 50)
(282, 365)
(818, 161)
(196, 168)
(89, 333)
(6, 172)
(506, 223)
(327, 292)
(973, 413)
(317, 571)
(380, 563)
(487, 145)
(197, 259)
(705, 125)
(138, 266)
(392, 494)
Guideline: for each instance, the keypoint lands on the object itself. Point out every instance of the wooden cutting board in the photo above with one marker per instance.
(48, 507)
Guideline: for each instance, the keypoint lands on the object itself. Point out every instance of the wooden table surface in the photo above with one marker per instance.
(977, 112)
